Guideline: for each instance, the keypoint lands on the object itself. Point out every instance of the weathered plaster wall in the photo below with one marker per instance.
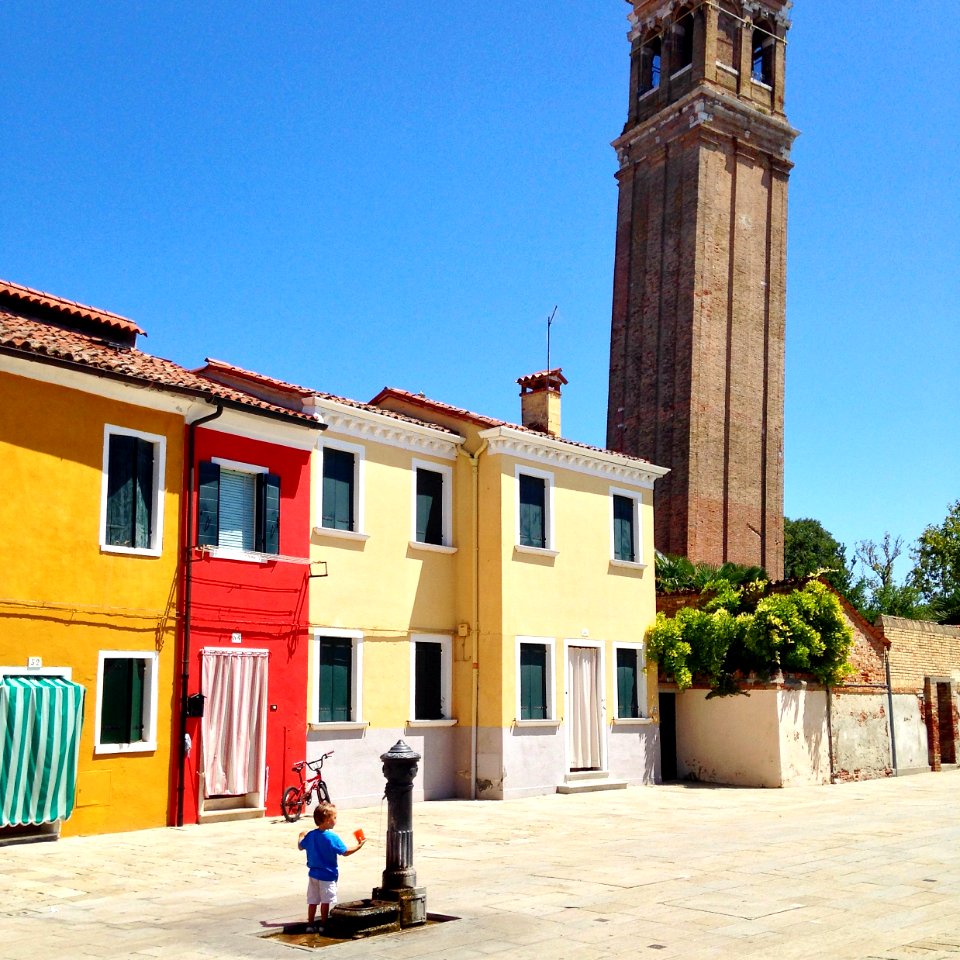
(804, 747)
(910, 731)
(861, 736)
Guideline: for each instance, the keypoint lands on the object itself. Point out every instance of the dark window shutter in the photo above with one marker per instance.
(268, 513)
(336, 666)
(533, 530)
(624, 541)
(429, 506)
(428, 685)
(120, 490)
(533, 681)
(627, 668)
(338, 481)
(208, 504)
(121, 705)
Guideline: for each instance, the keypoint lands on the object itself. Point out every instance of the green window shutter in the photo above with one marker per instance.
(338, 482)
(533, 681)
(121, 703)
(624, 541)
(336, 668)
(429, 506)
(627, 669)
(120, 490)
(428, 684)
(143, 495)
(268, 513)
(208, 504)
(533, 513)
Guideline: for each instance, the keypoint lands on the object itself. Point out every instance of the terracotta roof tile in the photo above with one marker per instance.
(478, 419)
(23, 294)
(25, 336)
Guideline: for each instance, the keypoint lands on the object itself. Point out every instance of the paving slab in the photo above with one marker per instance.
(867, 871)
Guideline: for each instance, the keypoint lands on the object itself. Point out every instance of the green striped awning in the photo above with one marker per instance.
(40, 721)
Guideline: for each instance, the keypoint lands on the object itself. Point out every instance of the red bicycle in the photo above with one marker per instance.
(295, 799)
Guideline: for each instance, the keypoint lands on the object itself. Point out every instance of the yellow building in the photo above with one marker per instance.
(92, 435)
(488, 587)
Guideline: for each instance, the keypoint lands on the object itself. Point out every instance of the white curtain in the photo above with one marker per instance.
(235, 685)
(584, 708)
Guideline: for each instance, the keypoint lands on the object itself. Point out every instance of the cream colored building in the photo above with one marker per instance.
(486, 594)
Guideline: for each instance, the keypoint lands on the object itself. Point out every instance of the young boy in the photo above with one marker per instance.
(323, 847)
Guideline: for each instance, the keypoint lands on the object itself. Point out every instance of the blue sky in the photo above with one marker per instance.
(357, 195)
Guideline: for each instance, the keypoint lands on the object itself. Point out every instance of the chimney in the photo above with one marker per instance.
(540, 401)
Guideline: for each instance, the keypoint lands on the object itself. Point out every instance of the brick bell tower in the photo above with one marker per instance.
(697, 339)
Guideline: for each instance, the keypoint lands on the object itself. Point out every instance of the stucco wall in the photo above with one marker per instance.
(771, 738)
(910, 731)
(861, 736)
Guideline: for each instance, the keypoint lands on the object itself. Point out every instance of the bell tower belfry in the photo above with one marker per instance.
(699, 292)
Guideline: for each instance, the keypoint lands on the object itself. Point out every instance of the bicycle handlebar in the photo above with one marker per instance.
(313, 764)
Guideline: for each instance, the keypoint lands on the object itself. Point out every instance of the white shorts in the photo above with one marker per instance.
(321, 891)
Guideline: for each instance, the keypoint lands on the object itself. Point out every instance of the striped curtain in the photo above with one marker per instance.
(235, 685)
(40, 722)
(584, 708)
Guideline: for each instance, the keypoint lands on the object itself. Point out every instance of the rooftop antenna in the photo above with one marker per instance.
(549, 325)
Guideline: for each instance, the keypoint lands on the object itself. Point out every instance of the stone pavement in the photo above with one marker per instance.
(867, 870)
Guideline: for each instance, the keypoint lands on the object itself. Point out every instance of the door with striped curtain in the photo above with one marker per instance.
(234, 723)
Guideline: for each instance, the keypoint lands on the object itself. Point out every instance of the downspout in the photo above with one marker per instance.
(893, 735)
(474, 459)
(187, 602)
(830, 734)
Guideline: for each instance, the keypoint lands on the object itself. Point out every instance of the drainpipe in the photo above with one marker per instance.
(474, 460)
(893, 735)
(187, 602)
(830, 756)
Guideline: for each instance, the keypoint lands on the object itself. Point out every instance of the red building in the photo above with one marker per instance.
(245, 602)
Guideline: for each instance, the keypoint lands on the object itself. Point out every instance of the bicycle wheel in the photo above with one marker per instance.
(291, 804)
(323, 794)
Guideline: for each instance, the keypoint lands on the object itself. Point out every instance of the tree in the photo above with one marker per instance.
(808, 547)
(936, 569)
(885, 594)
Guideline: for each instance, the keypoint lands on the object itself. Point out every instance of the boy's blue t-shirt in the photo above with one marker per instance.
(322, 847)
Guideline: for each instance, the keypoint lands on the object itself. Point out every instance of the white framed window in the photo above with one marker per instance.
(431, 677)
(534, 510)
(626, 533)
(131, 495)
(432, 511)
(630, 681)
(341, 494)
(238, 508)
(337, 698)
(127, 698)
(536, 680)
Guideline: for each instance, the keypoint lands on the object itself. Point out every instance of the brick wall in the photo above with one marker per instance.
(920, 649)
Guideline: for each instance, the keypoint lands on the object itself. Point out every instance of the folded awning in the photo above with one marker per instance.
(40, 721)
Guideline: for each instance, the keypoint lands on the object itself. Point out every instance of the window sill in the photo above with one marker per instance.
(536, 723)
(628, 564)
(432, 723)
(141, 746)
(339, 725)
(535, 551)
(681, 71)
(647, 93)
(633, 721)
(131, 551)
(340, 534)
(432, 547)
(761, 84)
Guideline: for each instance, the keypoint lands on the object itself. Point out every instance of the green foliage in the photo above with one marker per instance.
(809, 549)
(739, 631)
(936, 570)
(679, 575)
(882, 593)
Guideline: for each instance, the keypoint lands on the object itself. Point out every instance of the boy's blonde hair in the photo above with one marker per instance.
(322, 813)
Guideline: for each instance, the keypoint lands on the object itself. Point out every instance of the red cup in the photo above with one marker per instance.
(359, 835)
